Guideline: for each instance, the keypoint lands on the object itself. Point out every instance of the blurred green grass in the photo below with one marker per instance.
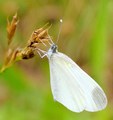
(86, 37)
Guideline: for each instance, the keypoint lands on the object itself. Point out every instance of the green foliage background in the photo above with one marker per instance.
(86, 36)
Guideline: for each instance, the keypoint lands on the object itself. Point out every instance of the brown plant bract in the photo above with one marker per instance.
(9, 58)
(11, 27)
(39, 36)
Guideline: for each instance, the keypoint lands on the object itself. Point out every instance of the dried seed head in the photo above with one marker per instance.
(38, 36)
(26, 53)
(10, 57)
(11, 27)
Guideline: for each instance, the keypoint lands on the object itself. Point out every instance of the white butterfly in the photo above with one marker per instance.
(71, 86)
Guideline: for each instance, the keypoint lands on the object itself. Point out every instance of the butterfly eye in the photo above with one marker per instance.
(53, 48)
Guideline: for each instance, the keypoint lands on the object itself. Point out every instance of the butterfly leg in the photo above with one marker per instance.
(43, 42)
(44, 53)
(49, 43)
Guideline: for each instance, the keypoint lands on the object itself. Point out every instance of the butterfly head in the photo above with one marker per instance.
(53, 49)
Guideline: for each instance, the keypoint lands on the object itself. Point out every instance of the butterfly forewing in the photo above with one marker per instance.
(72, 87)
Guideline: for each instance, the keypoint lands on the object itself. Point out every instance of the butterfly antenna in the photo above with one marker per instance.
(61, 21)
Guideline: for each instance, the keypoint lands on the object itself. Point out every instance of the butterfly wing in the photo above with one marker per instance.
(74, 88)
